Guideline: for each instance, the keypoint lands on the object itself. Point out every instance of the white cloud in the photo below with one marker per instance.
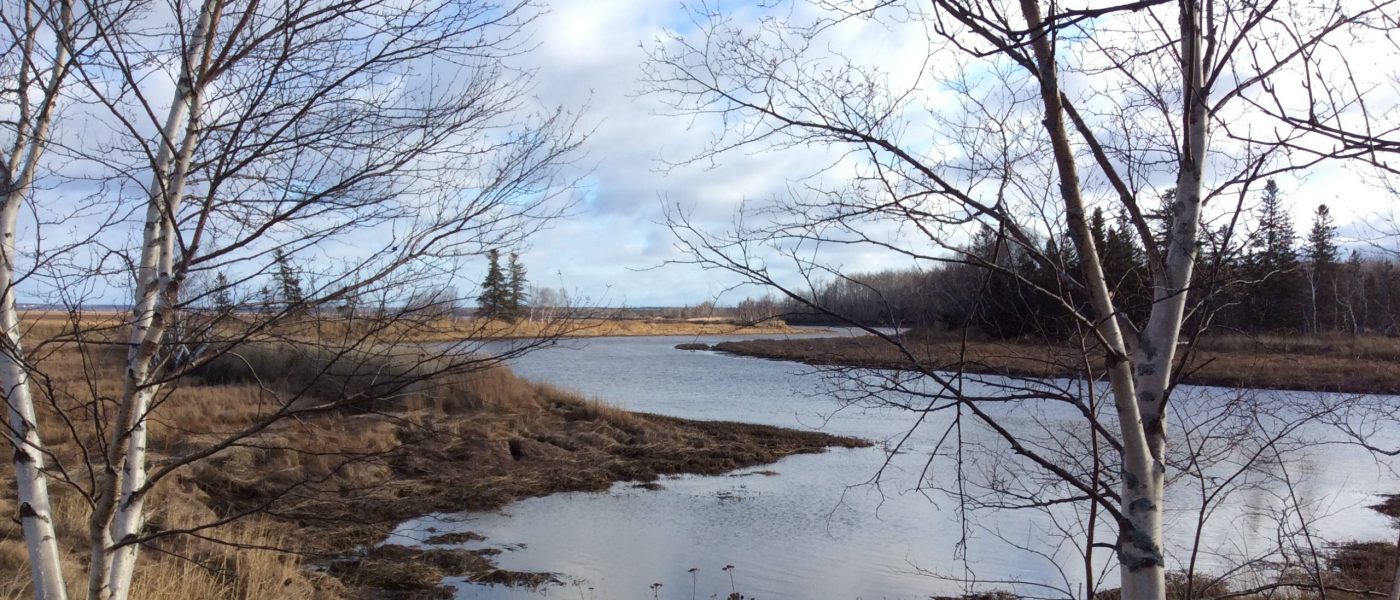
(592, 52)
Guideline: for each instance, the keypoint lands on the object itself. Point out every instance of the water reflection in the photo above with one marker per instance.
(815, 529)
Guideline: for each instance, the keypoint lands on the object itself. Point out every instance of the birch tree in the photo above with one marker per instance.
(34, 79)
(1019, 120)
(379, 142)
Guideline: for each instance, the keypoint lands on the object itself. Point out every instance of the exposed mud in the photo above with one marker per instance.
(476, 460)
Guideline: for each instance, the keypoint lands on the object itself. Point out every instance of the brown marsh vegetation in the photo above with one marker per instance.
(421, 328)
(249, 521)
(608, 327)
(1343, 364)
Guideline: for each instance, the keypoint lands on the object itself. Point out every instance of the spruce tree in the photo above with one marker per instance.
(1322, 239)
(493, 299)
(1322, 272)
(223, 297)
(517, 296)
(1273, 301)
(1276, 238)
(288, 282)
(1124, 264)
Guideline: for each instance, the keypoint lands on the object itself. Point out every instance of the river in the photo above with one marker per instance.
(814, 526)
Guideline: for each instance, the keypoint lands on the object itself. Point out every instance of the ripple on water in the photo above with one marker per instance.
(813, 530)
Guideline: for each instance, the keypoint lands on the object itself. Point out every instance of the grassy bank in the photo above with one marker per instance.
(424, 329)
(1347, 365)
(318, 487)
(628, 327)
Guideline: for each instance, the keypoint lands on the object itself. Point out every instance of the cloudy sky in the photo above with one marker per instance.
(614, 249)
(589, 57)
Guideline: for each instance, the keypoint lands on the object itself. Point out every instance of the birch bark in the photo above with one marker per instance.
(1139, 380)
(118, 514)
(1156, 349)
(32, 135)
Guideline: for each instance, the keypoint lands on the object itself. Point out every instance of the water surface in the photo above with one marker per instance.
(817, 526)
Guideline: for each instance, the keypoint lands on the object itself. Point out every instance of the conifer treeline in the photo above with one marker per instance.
(1268, 281)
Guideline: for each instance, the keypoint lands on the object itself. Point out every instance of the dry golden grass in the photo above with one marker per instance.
(336, 479)
(1368, 347)
(99, 326)
(1347, 365)
(456, 329)
(241, 565)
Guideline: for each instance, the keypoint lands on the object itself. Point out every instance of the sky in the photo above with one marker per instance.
(614, 248)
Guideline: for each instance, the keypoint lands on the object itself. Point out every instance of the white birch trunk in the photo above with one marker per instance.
(1395, 579)
(1156, 350)
(35, 509)
(119, 515)
(1140, 549)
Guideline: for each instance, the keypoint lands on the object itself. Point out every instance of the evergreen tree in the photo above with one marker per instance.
(516, 291)
(223, 297)
(494, 298)
(1009, 299)
(1218, 267)
(1322, 239)
(1276, 238)
(1125, 266)
(1352, 297)
(1098, 227)
(288, 282)
(1276, 284)
(1322, 271)
(1160, 220)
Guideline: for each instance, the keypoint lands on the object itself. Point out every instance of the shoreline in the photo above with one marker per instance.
(456, 328)
(462, 464)
(1238, 368)
(302, 508)
(475, 442)
(609, 328)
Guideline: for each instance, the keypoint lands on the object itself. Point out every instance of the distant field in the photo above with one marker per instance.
(456, 328)
(48, 323)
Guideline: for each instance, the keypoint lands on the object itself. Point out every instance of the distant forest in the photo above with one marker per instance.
(1269, 280)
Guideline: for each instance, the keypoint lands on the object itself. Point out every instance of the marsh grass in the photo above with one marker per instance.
(1327, 364)
(1370, 347)
(381, 433)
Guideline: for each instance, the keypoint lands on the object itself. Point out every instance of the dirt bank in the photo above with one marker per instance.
(495, 439)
